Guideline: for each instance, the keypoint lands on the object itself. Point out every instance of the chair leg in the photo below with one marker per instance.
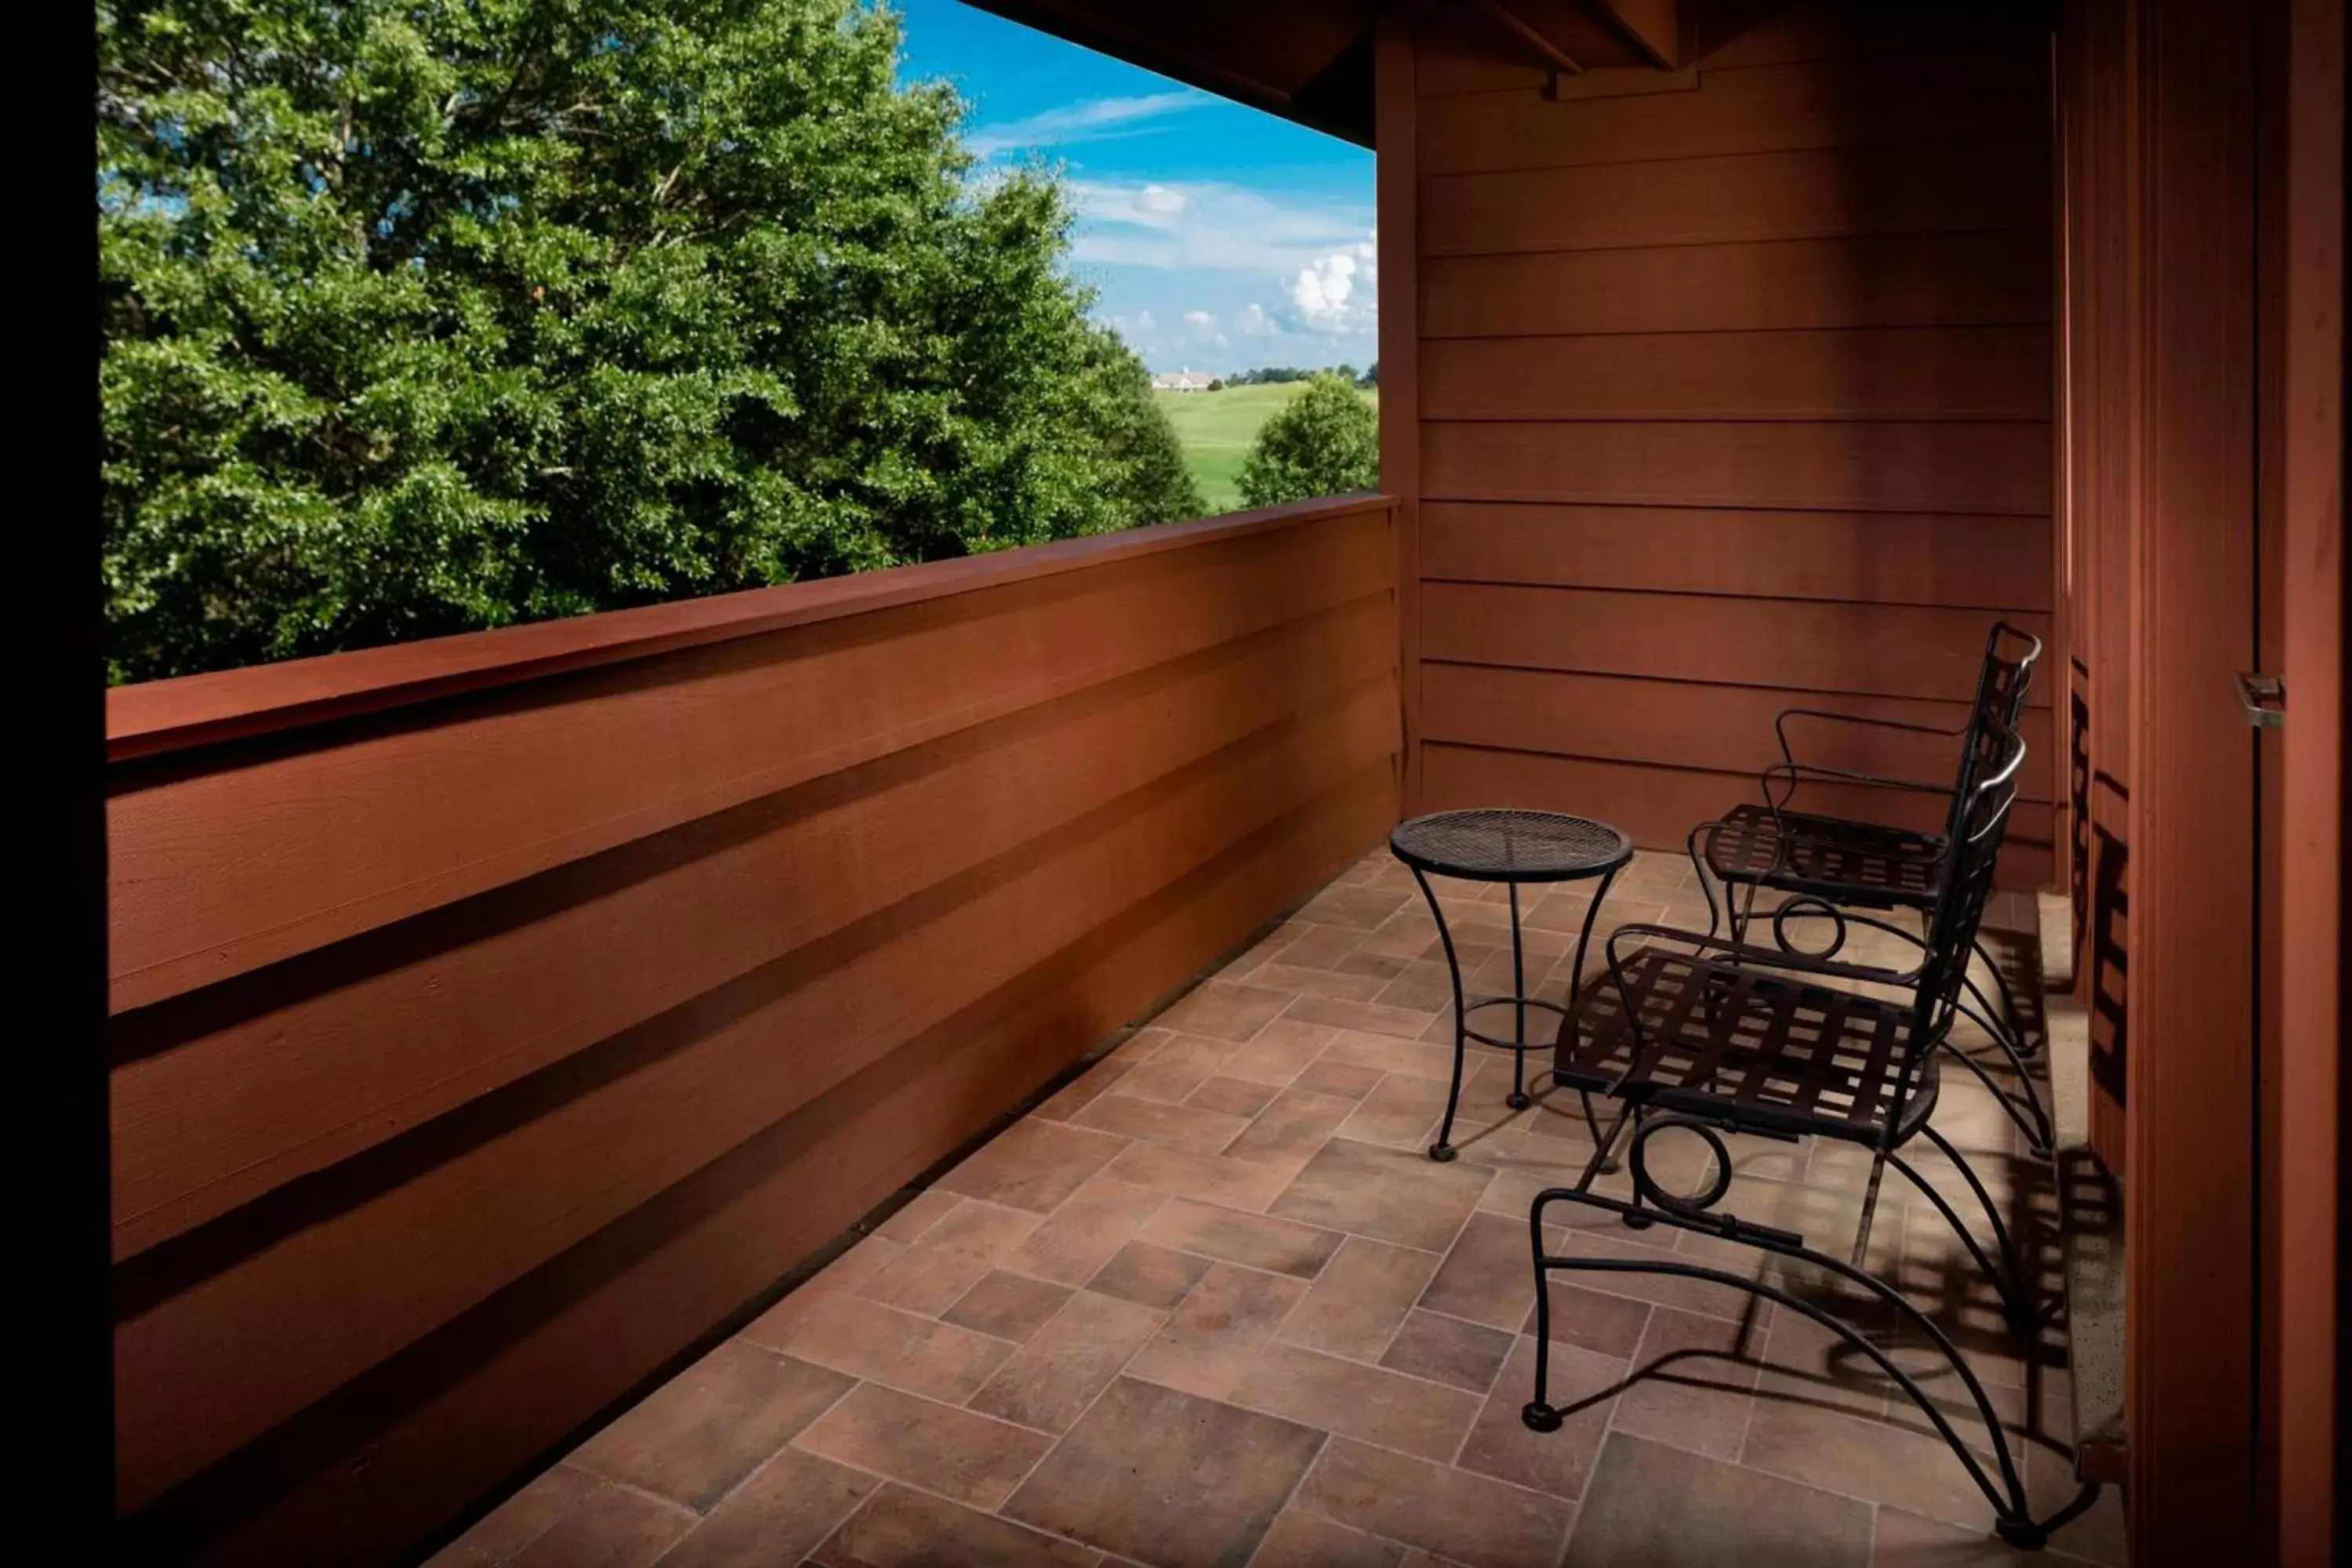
(2007, 1276)
(2027, 1047)
(2023, 1105)
(2003, 1486)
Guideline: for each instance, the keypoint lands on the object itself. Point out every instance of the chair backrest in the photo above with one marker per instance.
(1997, 710)
(1950, 939)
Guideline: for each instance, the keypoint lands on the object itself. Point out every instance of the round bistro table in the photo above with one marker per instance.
(1512, 848)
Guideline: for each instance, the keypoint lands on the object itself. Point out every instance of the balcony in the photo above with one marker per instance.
(1208, 1302)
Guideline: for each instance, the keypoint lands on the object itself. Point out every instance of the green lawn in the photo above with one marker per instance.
(1217, 428)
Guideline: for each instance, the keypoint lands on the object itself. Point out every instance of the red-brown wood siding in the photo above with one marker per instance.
(1735, 393)
(473, 1058)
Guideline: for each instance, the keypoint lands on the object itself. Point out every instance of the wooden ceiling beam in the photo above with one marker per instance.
(1535, 37)
(1652, 26)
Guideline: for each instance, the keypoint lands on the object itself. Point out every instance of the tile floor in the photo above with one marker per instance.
(1210, 1304)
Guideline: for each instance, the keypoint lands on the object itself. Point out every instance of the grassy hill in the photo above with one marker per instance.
(1217, 428)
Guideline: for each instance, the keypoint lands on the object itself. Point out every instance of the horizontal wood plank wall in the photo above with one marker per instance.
(1735, 394)
(473, 1058)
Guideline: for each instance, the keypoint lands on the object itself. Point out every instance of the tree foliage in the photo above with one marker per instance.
(428, 315)
(1322, 442)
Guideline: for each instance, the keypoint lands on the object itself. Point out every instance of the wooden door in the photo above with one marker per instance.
(2190, 1198)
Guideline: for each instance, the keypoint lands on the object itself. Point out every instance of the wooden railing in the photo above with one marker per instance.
(494, 1017)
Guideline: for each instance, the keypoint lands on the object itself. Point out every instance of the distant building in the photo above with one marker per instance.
(1183, 381)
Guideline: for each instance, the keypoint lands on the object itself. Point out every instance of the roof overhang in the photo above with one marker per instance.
(1311, 60)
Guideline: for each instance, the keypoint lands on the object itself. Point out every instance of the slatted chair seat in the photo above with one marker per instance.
(1766, 1049)
(1832, 857)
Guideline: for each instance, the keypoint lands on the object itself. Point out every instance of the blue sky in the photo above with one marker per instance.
(1219, 237)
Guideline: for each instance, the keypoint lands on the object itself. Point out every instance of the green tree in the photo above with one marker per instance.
(428, 315)
(1322, 442)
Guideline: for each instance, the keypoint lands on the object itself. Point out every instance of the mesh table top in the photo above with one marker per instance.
(1495, 846)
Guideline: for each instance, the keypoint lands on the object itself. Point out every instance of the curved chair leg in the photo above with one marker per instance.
(2034, 1117)
(2003, 1487)
(2026, 1045)
(2007, 1276)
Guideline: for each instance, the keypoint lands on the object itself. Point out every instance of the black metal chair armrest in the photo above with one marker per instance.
(1788, 754)
(1798, 774)
(1762, 957)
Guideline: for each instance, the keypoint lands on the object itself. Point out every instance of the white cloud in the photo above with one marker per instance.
(1200, 321)
(1095, 120)
(1212, 227)
(1252, 322)
(1339, 291)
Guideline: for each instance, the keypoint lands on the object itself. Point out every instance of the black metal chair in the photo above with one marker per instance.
(1697, 1033)
(1828, 868)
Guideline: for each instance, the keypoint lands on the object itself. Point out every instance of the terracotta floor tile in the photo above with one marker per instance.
(1225, 1011)
(1082, 1091)
(1084, 1232)
(1051, 1379)
(610, 1527)
(917, 1214)
(1231, 1096)
(1447, 1350)
(523, 1518)
(1156, 1474)
(1687, 1389)
(1320, 946)
(867, 1338)
(1648, 1503)
(1180, 1066)
(1209, 1178)
(1592, 1320)
(956, 1453)
(1517, 1181)
(1345, 1079)
(1277, 1246)
(1666, 1291)
(1807, 1362)
(1371, 1017)
(1501, 1444)
(1292, 1127)
(1211, 1336)
(1388, 1195)
(1360, 907)
(1466, 1518)
(789, 1504)
(1279, 1051)
(1367, 961)
(1149, 1276)
(1309, 1541)
(1488, 1275)
(1033, 1165)
(1362, 1296)
(1150, 1121)
(897, 1527)
(710, 1426)
(1341, 984)
(1861, 1458)
(1390, 1053)
(1009, 1306)
(950, 1258)
(1389, 1408)
(1401, 1112)
(1907, 1540)
(1423, 987)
